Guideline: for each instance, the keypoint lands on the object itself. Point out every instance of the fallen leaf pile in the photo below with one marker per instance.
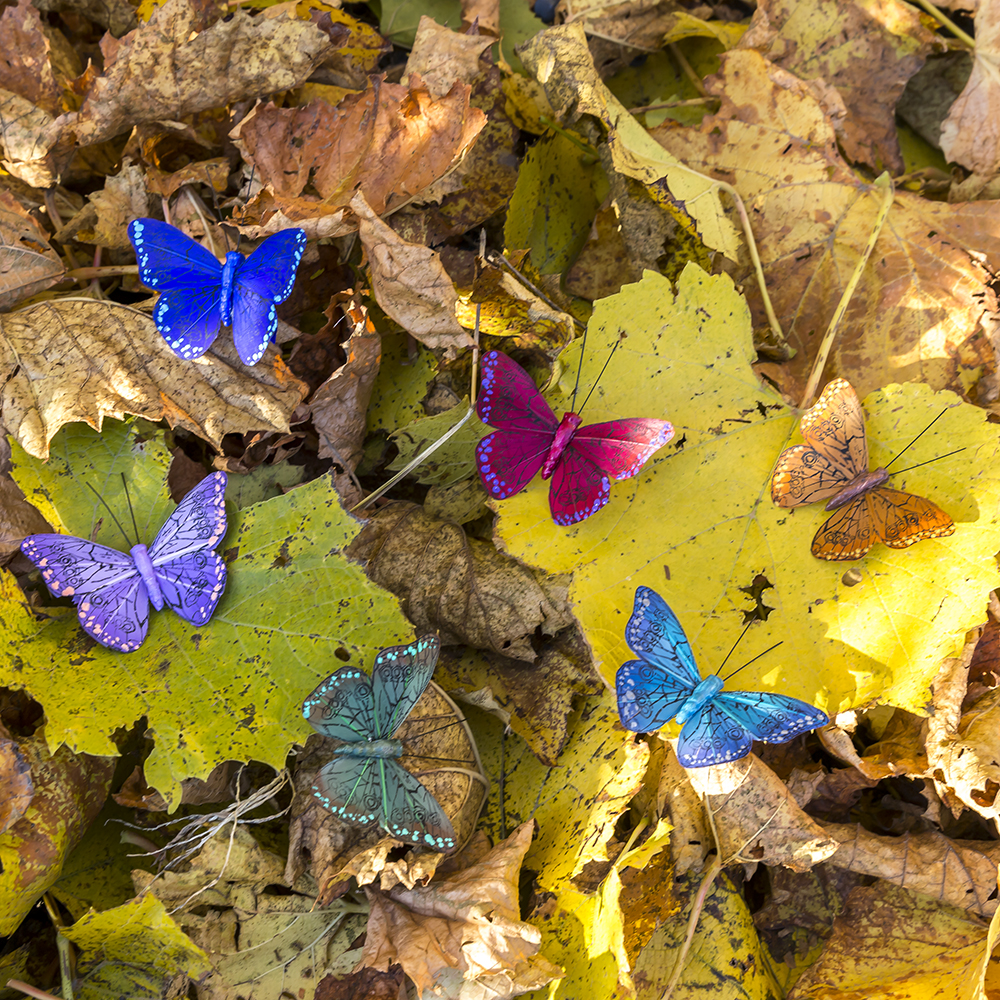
(657, 210)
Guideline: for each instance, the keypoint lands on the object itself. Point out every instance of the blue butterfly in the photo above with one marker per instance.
(363, 784)
(113, 590)
(198, 294)
(718, 725)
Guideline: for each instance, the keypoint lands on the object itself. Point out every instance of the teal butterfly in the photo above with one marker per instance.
(364, 784)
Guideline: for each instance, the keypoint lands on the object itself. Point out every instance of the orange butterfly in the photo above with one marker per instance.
(833, 465)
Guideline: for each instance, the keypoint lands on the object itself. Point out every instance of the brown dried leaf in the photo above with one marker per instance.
(410, 283)
(441, 56)
(460, 586)
(175, 65)
(962, 873)
(867, 53)
(28, 265)
(464, 928)
(104, 219)
(69, 360)
(970, 135)
(15, 780)
(915, 313)
(70, 790)
(118, 16)
(339, 406)
(757, 817)
(36, 148)
(391, 142)
(26, 68)
(213, 172)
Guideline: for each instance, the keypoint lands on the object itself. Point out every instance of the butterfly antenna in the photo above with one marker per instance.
(599, 377)
(128, 541)
(757, 657)
(928, 462)
(131, 512)
(735, 644)
(917, 438)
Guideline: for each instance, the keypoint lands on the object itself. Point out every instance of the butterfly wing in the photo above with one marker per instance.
(411, 812)
(111, 600)
(511, 457)
(167, 257)
(264, 280)
(648, 697)
(191, 575)
(189, 280)
(773, 718)
(579, 488)
(399, 677)
(351, 788)
(342, 706)
(835, 452)
(712, 737)
(621, 447)
(654, 633)
(901, 519)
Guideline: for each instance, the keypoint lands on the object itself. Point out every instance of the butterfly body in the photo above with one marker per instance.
(580, 460)
(378, 749)
(832, 465)
(364, 784)
(113, 590)
(198, 295)
(665, 683)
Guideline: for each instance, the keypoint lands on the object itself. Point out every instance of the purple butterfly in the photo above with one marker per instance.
(198, 294)
(580, 460)
(112, 590)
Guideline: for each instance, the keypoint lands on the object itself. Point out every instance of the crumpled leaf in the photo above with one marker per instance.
(210, 694)
(969, 135)
(15, 777)
(916, 311)
(457, 585)
(698, 525)
(880, 48)
(961, 873)
(758, 819)
(78, 360)
(410, 283)
(177, 64)
(339, 405)
(559, 58)
(535, 699)
(441, 56)
(462, 934)
(895, 943)
(389, 142)
(28, 265)
(69, 790)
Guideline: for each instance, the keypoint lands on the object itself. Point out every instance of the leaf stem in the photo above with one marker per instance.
(944, 20)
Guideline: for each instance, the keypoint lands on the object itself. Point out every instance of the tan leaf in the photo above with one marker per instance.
(915, 313)
(104, 219)
(28, 265)
(458, 585)
(441, 56)
(339, 406)
(757, 817)
(15, 778)
(75, 359)
(215, 172)
(410, 283)
(970, 135)
(486, 11)
(962, 873)
(36, 149)
(465, 927)
(174, 65)
(878, 49)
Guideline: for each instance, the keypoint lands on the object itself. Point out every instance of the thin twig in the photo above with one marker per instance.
(947, 22)
(884, 183)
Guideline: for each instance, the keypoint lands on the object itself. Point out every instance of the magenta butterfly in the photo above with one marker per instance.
(581, 461)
